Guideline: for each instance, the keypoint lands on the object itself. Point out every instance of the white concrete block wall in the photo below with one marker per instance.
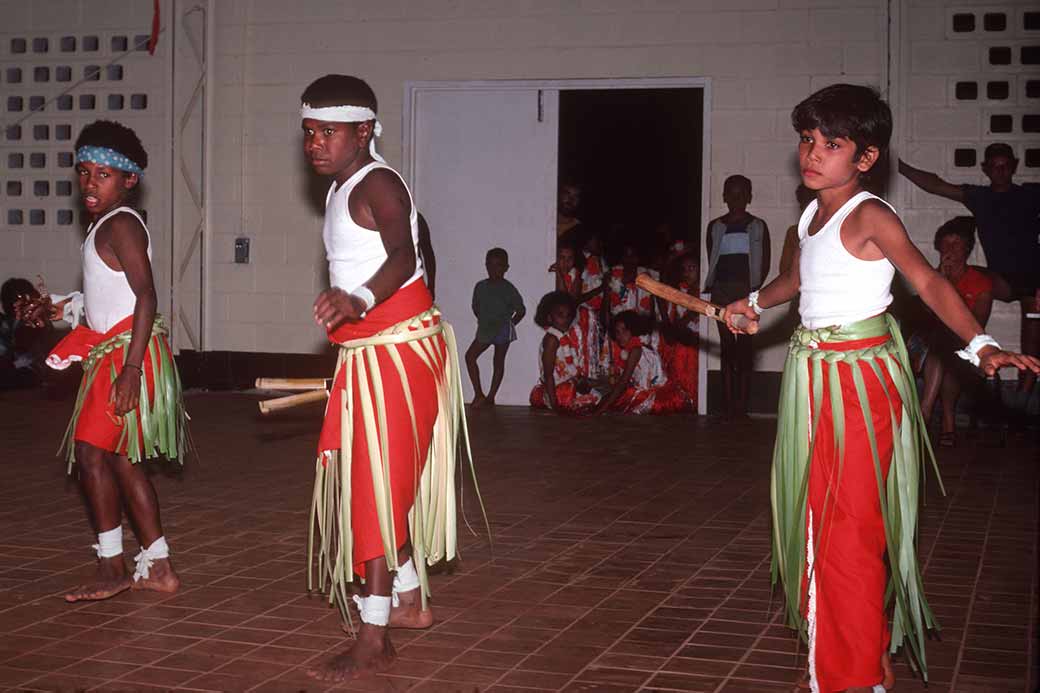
(762, 56)
(51, 249)
(934, 58)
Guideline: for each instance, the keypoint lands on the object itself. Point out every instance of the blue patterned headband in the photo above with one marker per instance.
(107, 157)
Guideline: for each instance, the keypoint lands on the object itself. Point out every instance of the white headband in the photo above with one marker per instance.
(346, 114)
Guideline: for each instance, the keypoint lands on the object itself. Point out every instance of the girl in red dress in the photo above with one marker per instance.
(641, 385)
(564, 386)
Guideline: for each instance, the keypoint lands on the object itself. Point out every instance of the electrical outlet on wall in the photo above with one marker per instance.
(242, 251)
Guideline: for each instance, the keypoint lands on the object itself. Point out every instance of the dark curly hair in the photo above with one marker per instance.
(108, 133)
(637, 324)
(12, 290)
(673, 274)
(852, 111)
(579, 256)
(340, 90)
(962, 227)
(549, 302)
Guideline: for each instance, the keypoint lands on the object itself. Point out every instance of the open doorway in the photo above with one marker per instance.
(482, 160)
(637, 155)
(630, 179)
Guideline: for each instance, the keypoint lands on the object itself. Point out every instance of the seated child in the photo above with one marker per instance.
(624, 294)
(568, 268)
(592, 277)
(679, 326)
(564, 385)
(22, 345)
(640, 385)
(498, 307)
(596, 285)
(571, 275)
(944, 373)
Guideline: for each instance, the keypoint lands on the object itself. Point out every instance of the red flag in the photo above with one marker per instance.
(154, 38)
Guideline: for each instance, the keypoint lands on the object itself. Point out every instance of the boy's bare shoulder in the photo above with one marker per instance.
(872, 214)
(125, 226)
(382, 181)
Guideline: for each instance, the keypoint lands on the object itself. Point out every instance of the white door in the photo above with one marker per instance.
(482, 168)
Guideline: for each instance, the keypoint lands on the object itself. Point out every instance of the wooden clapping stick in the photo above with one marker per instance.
(315, 390)
(292, 384)
(680, 298)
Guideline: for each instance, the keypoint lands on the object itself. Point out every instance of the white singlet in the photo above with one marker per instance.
(107, 296)
(837, 287)
(354, 252)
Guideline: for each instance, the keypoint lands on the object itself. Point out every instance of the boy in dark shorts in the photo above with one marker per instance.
(498, 307)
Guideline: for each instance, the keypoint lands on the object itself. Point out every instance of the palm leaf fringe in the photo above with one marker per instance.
(158, 426)
(433, 519)
(900, 494)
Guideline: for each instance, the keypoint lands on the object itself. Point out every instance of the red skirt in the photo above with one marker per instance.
(407, 453)
(849, 569)
(568, 398)
(97, 423)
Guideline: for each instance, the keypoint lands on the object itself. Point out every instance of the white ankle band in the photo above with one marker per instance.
(110, 543)
(374, 610)
(405, 579)
(158, 549)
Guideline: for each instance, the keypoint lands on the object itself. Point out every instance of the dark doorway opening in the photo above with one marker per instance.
(637, 155)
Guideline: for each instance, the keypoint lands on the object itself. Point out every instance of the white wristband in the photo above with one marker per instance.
(753, 302)
(366, 295)
(970, 353)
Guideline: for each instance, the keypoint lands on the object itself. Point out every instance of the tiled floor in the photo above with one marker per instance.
(629, 554)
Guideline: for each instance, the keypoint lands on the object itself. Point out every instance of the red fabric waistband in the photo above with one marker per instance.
(407, 302)
(77, 344)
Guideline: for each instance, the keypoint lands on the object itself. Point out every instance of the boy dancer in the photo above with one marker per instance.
(499, 308)
(129, 403)
(395, 409)
(848, 456)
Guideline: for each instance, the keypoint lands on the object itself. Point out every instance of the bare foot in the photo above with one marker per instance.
(888, 679)
(478, 401)
(161, 578)
(110, 579)
(409, 612)
(371, 654)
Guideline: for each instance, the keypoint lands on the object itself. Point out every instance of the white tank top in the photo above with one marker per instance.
(354, 252)
(837, 287)
(107, 296)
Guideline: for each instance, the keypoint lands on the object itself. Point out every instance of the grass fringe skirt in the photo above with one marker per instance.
(158, 425)
(433, 519)
(900, 493)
